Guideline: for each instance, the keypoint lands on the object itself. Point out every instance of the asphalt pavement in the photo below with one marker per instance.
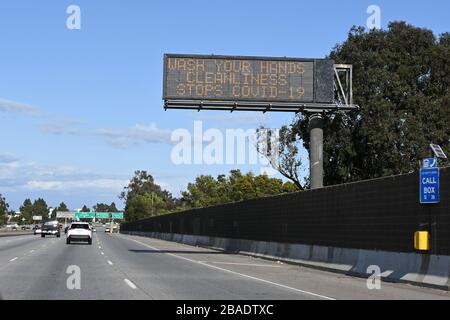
(121, 267)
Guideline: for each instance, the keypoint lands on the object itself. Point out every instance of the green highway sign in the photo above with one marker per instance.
(85, 215)
(102, 215)
(117, 215)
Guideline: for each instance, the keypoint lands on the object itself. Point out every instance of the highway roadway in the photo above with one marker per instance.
(124, 267)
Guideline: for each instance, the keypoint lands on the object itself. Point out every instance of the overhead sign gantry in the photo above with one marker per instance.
(237, 83)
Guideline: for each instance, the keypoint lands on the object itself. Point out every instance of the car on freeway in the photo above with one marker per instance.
(114, 228)
(79, 231)
(37, 229)
(51, 228)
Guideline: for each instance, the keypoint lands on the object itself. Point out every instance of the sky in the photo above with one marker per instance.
(81, 110)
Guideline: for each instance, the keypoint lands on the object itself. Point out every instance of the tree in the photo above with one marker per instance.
(103, 207)
(85, 209)
(4, 206)
(26, 211)
(61, 208)
(40, 208)
(112, 207)
(207, 191)
(142, 193)
(401, 80)
(138, 207)
(282, 151)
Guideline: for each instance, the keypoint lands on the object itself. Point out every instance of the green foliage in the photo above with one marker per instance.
(144, 198)
(401, 80)
(85, 209)
(3, 219)
(40, 208)
(103, 207)
(62, 207)
(4, 206)
(26, 211)
(207, 191)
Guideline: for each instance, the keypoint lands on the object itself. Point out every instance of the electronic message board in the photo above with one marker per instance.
(231, 78)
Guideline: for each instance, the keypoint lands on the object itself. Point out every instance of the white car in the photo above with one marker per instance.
(79, 231)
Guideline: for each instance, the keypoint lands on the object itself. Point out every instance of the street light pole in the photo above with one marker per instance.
(316, 150)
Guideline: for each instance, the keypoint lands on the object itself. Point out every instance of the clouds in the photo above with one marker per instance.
(125, 137)
(12, 106)
(7, 158)
(30, 176)
(114, 185)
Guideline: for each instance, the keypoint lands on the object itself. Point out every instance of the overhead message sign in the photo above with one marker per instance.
(429, 185)
(232, 79)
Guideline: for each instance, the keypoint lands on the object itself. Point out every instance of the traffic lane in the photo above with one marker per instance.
(163, 276)
(17, 248)
(51, 273)
(320, 282)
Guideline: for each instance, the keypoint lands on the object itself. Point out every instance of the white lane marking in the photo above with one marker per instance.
(110, 263)
(44, 245)
(99, 247)
(129, 283)
(239, 274)
(31, 251)
(13, 259)
(102, 253)
(242, 264)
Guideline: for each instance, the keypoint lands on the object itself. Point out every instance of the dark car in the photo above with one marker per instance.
(51, 228)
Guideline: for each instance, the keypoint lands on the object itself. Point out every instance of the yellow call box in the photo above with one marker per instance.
(422, 240)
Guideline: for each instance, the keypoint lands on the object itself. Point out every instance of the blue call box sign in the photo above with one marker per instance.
(429, 185)
(429, 163)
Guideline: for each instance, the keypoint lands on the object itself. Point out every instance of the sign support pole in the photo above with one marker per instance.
(316, 150)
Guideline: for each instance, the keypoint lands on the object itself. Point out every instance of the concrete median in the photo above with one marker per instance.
(415, 268)
(13, 234)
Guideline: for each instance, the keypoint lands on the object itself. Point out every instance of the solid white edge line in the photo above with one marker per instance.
(130, 284)
(242, 264)
(240, 274)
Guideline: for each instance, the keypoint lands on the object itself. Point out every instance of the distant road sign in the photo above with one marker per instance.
(117, 215)
(85, 215)
(102, 215)
(429, 185)
(37, 218)
(65, 215)
(429, 163)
